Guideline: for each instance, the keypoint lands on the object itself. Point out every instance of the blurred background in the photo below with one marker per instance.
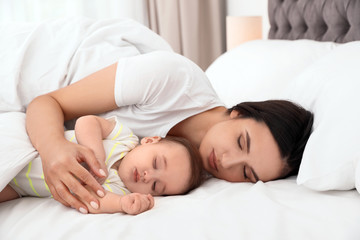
(199, 29)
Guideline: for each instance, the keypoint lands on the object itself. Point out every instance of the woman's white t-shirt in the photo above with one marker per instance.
(157, 90)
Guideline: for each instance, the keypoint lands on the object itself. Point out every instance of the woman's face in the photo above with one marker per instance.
(241, 150)
(157, 167)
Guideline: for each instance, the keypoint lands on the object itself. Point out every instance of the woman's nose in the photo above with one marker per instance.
(228, 160)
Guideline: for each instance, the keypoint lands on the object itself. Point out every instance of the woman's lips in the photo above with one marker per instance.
(212, 161)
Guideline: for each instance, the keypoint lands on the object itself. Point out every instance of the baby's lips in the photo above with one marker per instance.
(136, 175)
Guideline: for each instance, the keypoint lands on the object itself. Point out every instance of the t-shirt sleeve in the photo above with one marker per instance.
(156, 90)
(155, 76)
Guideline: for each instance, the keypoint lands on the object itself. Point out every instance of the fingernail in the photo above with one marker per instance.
(100, 193)
(102, 172)
(94, 205)
(83, 210)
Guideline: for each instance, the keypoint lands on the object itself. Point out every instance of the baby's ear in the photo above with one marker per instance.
(147, 140)
(234, 114)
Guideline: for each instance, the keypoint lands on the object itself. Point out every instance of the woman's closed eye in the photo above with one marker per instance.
(245, 176)
(250, 175)
(239, 142)
(244, 142)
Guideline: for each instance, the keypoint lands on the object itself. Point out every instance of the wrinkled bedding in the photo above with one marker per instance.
(278, 210)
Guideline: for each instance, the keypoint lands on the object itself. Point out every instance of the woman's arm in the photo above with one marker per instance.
(45, 118)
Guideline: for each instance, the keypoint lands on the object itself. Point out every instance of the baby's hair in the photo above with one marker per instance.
(197, 176)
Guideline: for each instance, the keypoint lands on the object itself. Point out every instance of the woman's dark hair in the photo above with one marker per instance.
(289, 123)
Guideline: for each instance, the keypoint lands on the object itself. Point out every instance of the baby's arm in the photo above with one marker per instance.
(133, 203)
(90, 130)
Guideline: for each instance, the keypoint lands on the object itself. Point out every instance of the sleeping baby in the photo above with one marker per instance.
(136, 173)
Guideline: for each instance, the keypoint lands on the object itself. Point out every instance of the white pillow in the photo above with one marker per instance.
(322, 76)
(260, 70)
(331, 89)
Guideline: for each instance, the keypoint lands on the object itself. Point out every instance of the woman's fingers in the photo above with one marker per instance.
(63, 173)
(98, 167)
(62, 194)
(86, 178)
(56, 196)
(66, 196)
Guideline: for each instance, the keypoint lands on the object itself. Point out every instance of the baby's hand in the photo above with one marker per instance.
(135, 203)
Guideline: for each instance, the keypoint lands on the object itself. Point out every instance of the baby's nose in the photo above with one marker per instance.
(146, 177)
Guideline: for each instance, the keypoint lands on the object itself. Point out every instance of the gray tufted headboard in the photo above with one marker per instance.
(321, 20)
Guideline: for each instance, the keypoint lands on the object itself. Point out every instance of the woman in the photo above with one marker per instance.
(162, 93)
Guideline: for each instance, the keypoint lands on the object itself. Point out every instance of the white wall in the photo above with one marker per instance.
(39, 10)
(250, 8)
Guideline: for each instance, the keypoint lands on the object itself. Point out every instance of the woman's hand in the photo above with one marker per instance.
(135, 203)
(90, 131)
(64, 173)
(45, 117)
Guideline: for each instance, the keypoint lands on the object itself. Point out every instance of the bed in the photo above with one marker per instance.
(311, 57)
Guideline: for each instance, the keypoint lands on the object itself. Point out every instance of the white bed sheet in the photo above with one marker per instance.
(217, 210)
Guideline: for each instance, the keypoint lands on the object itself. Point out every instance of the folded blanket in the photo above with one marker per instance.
(15, 147)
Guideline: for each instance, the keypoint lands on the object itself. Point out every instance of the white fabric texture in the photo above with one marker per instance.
(15, 146)
(260, 70)
(40, 10)
(155, 91)
(38, 58)
(330, 88)
(278, 210)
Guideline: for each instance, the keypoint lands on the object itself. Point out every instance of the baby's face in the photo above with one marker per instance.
(156, 167)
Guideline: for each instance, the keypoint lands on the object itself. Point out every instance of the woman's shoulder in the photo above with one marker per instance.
(157, 69)
(176, 68)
